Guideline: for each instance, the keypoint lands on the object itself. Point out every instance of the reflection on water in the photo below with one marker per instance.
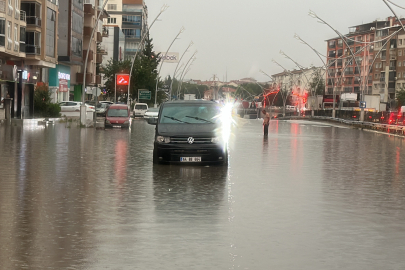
(308, 196)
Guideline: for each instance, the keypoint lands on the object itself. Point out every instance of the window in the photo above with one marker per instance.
(400, 53)
(16, 39)
(399, 63)
(376, 76)
(399, 41)
(112, 7)
(32, 42)
(112, 20)
(136, 20)
(399, 74)
(77, 23)
(22, 39)
(50, 32)
(2, 32)
(77, 47)
(340, 42)
(132, 33)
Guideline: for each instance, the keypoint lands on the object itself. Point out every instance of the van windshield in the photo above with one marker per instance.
(117, 113)
(190, 114)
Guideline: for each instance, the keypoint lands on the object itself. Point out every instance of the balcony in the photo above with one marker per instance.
(91, 57)
(102, 50)
(22, 47)
(105, 32)
(36, 21)
(89, 9)
(99, 58)
(89, 78)
(98, 79)
(23, 16)
(99, 37)
(32, 49)
(87, 31)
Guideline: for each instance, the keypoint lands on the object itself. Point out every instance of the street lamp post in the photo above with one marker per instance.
(83, 105)
(175, 70)
(184, 69)
(161, 64)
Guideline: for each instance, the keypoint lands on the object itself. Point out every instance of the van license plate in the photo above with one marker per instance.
(116, 126)
(190, 159)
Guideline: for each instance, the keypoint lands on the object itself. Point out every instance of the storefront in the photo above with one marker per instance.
(18, 85)
(59, 83)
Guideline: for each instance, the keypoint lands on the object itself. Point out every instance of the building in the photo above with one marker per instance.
(296, 83)
(91, 11)
(389, 65)
(376, 67)
(130, 16)
(28, 48)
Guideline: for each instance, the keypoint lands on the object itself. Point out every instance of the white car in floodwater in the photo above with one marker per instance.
(74, 106)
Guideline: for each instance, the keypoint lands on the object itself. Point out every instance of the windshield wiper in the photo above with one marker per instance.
(201, 119)
(175, 119)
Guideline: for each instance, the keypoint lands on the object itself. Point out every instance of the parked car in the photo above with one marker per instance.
(189, 131)
(74, 106)
(151, 113)
(118, 116)
(101, 108)
(140, 109)
(107, 102)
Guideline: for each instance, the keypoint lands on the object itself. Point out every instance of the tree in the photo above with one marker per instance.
(144, 73)
(401, 97)
(317, 85)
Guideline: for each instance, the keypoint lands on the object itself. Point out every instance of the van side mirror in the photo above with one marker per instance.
(152, 121)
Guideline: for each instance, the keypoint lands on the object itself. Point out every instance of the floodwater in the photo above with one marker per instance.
(310, 196)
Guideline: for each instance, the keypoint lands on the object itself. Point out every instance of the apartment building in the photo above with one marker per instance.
(389, 64)
(296, 82)
(130, 16)
(378, 65)
(91, 11)
(13, 73)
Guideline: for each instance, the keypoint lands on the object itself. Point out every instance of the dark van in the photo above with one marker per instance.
(189, 132)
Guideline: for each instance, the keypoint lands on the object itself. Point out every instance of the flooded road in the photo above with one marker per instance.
(310, 196)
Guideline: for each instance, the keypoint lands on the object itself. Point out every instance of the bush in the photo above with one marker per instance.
(42, 103)
(53, 110)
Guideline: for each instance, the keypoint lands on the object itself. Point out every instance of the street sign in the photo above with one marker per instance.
(144, 94)
(122, 79)
(362, 104)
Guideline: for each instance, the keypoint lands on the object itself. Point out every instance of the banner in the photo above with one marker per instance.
(63, 85)
(171, 57)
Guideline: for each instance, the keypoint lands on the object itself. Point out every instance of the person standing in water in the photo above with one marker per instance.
(266, 122)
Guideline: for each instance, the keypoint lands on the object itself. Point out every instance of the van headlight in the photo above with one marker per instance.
(126, 122)
(162, 139)
(215, 140)
(107, 122)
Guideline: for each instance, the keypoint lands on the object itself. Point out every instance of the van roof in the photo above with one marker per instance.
(198, 101)
(141, 104)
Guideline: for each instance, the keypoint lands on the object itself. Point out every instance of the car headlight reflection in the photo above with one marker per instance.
(162, 139)
(215, 139)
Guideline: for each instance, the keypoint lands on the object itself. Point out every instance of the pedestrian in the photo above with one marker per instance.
(252, 105)
(266, 122)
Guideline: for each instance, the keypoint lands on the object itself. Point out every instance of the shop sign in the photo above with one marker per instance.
(122, 79)
(63, 76)
(63, 86)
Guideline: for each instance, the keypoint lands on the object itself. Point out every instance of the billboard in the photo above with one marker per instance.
(122, 79)
(170, 57)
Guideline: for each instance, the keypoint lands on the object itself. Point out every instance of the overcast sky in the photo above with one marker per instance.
(239, 38)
